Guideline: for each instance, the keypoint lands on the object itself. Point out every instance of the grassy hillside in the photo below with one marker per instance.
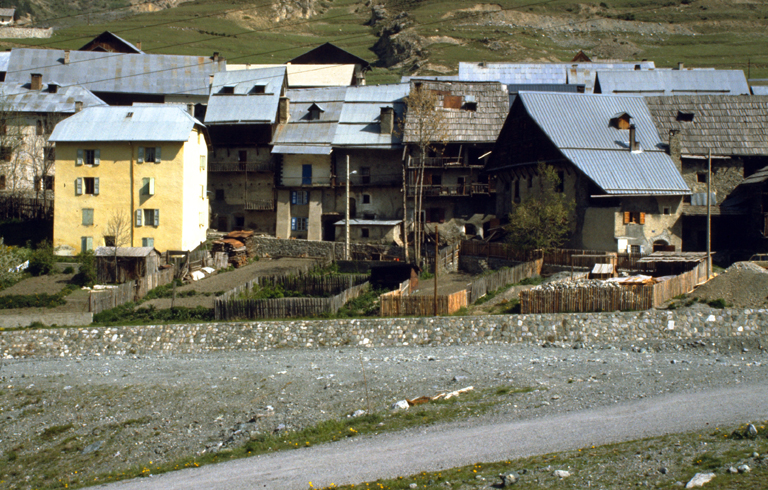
(704, 33)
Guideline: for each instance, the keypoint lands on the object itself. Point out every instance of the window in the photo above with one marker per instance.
(242, 156)
(152, 217)
(150, 154)
(87, 217)
(50, 153)
(259, 89)
(685, 116)
(300, 197)
(701, 177)
(635, 249)
(470, 106)
(139, 216)
(5, 153)
(89, 157)
(365, 233)
(86, 243)
(39, 128)
(148, 242)
(634, 217)
(227, 89)
(2, 182)
(369, 216)
(109, 241)
(87, 185)
(306, 175)
(239, 221)
(219, 194)
(666, 210)
(148, 186)
(365, 175)
(366, 199)
(299, 224)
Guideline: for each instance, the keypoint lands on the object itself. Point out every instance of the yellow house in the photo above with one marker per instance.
(131, 176)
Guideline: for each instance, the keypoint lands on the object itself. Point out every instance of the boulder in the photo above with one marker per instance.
(700, 479)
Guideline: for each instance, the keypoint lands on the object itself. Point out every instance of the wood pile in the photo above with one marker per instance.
(246, 237)
(235, 250)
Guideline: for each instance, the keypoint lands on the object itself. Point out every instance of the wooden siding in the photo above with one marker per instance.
(395, 303)
(107, 299)
(480, 287)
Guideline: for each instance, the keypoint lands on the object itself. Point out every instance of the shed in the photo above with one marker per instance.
(391, 275)
(672, 263)
(132, 263)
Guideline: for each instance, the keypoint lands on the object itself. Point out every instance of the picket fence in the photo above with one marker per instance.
(480, 287)
(395, 303)
(105, 299)
(234, 304)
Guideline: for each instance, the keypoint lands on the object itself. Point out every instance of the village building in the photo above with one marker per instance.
(28, 113)
(106, 42)
(241, 117)
(456, 193)
(143, 166)
(7, 16)
(672, 82)
(121, 78)
(734, 131)
(330, 54)
(611, 162)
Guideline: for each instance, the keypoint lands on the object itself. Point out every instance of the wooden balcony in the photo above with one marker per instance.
(241, 166)
(444, 162)
(260, 205)
(452, 190)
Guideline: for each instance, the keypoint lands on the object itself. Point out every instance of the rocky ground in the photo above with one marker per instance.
(95, 415)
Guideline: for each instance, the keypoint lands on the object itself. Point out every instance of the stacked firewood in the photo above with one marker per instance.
(237, 252)
(246, 237)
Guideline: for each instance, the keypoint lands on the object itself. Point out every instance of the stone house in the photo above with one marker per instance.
(7, 16)
(610, 160)
(242, 114)
(734, 130)
(456, 192)
(145, 166)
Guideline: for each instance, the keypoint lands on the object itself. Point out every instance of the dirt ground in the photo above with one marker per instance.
(446, 284)
(50, 284)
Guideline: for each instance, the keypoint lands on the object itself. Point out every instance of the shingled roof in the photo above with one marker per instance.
(464, 125)
(726, 124)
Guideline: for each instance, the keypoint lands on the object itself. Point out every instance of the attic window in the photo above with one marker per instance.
(227, 89)
(53, 88)
(637, 67)
(130, 114)
(314, 112)
(685, 116)
(259, 89)
(621, 121)
(470, 103)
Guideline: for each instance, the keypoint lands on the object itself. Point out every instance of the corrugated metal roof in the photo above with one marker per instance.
(481, 125)
(546, 73)
(673, 82)
(359, 122)
(542, 87)
(583, 121)
(377, 93)
(124, 251)
(126, 123)
(7, 12)
(303, 76)
(585, 73)
(19, 98)
(301, 150)
(759, 89)
(116, 72)
(725, 124)
(578, 125)
(442, 78)
(300, 130)
(758, 177)
(369, 222)
(244, 105)
(5, 57)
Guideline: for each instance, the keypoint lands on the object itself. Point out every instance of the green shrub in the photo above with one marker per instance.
(69, 269)
(130, 313)
(87, 275)
(42, 261)
(719, 303)
(42, 300)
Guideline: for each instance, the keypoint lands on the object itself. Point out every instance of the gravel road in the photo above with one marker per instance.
(162, 408)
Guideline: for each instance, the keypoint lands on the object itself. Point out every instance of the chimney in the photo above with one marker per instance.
(36, 82)
(632, 141)
(66, 56)
(78, 106)
(283, 110)
(387, 120)
(191, 109)
(215, 56)
(138, 45)
(680, 65)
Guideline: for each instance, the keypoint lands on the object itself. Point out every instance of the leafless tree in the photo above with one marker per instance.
(38, 154)
(11, 142)
(118, 234)
(425, 127)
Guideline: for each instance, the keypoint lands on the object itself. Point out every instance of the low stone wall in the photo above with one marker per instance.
(252, 336)
(280, 247)
(47, 319)
(25, 33)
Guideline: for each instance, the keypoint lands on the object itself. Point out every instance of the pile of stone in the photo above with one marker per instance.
(743, 284)
(576, 284)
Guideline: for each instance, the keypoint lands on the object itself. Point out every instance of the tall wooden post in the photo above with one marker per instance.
(437, 238)
(709, 215)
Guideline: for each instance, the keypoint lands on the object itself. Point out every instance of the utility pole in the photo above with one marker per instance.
(437, 238)
(346, 248)
(709, 215)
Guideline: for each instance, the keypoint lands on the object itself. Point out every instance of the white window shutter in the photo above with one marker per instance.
(79, 160)
(89, 243)
(151, 186)
(139, 212)
(157, 154)
(96, 157)
(140, 159)
(96, 186)
(78, 186)
(157, 217)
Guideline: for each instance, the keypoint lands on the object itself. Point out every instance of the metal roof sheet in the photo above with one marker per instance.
(673, 82)
(303, 76)
(124, 251)
(7, 12)
(548, 73)
(585, 73)
(19, 98)
(368, 222)
(113, 123)
(300, 130)
(243, 105)
(377, 93)
(116, 72)
(582, 121)
(759, 89)
(514, 88)
(365, 136)
(301, 150)
(444, 78)
(5, 57)
(758, 177)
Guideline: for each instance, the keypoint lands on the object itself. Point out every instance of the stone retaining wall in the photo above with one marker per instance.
(208, 337)
(280, 247)
(25, 33)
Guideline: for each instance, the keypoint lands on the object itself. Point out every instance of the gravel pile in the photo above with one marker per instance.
(743, 285)
(577, 284)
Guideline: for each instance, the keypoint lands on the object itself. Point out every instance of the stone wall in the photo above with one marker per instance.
(252, 336)
(277, 247)
(25, 33)
(48, 319)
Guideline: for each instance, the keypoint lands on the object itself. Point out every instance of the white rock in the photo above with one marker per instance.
(358, 413)
(699, 479)
(401, 405)
(744, 468)
(562, 473)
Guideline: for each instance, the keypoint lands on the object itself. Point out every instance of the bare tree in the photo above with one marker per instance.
(11, 142)
(38, 154)
(426, 127)
(118, 234)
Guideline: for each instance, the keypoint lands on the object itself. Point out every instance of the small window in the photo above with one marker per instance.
(701, 177)
(561, 181)
(148, 242)
(634, 217)
(470, 106)
(666, 210)
(685, 116)
(89, 157)
(365, 233)
(202, 162)
(219, 194)
(306, 174)
(152, 217)
(87, 217)
(635, 249)
(366, 199)
(259, 89)
(90, 185)
(2, 182)
(365, 175)
(149, 154)
(227, 90)
(242, 156)
(148, 186)
(369, 216)
(86, 243)
(50, 153)
(299, 224)
(5, 153)
(239, 221)
(300, 198)
(109, 241)
(39, 128)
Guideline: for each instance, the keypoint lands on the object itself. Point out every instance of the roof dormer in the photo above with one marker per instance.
(314, 112)
(622, 120)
